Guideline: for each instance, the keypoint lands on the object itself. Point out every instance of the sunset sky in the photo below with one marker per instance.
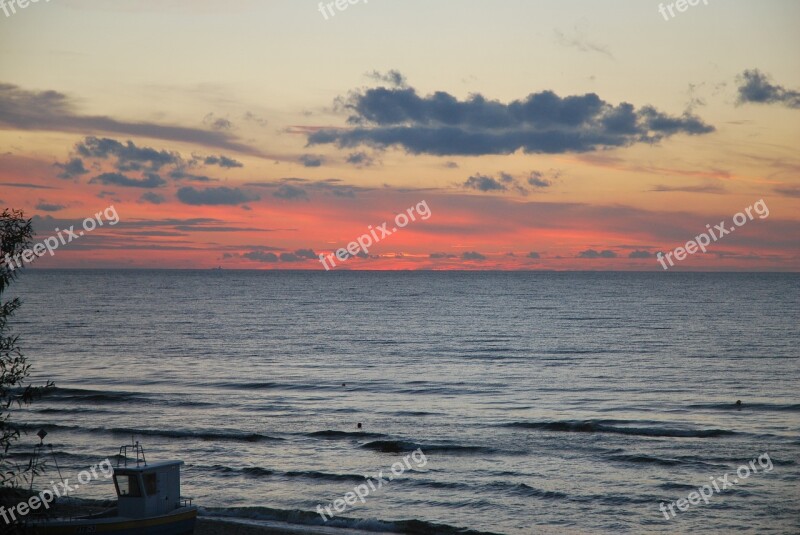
(542, 135)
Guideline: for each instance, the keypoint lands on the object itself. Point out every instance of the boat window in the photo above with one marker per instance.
(128, 486)
(150, 484)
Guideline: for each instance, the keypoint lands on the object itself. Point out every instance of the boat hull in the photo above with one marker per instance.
(181, 522)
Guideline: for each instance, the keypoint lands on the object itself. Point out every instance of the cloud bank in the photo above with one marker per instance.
(50, 110)
(441, 124)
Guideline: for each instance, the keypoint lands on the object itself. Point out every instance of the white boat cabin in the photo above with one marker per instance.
(146, 490)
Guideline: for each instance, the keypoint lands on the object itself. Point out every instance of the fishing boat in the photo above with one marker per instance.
(149, 502)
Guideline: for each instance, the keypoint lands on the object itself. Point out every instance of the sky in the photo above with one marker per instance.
(520, 135)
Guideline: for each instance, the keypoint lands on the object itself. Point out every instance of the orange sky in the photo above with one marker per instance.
(564, 142)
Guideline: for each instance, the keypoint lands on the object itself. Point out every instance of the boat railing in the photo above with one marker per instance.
(137, 449)
(186, 501)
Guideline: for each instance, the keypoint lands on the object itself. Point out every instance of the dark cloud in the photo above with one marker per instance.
(290, 193)
(50, 207)
(300, 255)
(151, 180)
(438, 256)
(360, 159)
(72, 169)
(544, 122)
(534, 255)
(506, 182)
(299, 188)
(128, 156)
(394, 78)
(708, 188)
(152, 198)
(261, 256)
(290, 257)
(222, 161)
(108, 195)
(484, 183)
(591, 253)
(788, 191)
(338, 190)
(215, 196)
(197, 224)
(252, 117)
(306, 254)
(157, 234)
(20, 185)
(192, 228)
(640, 254)
(580, 42)
(217, 123)
(181, 174)
(311, 161)
(472, 255)
(450, 165)
(538, 180)
(22, 109)
(755, 86)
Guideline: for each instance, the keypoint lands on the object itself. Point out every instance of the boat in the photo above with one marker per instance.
(149, 502)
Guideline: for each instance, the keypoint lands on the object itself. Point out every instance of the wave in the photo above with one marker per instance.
(47, 455)
(71, 410)
(259, 385)
(677, 486)
(100, 396)
(271, 385)
(527, 490)
(645, 459)
(403, 446)
(330, 434)
(608, 426)
(114, 396)
(524, 489)
(46, 426)
(297, 517)
(689, 460)
(313, 474)
(415, 413)
(391, 446)
(241, 436)
(200, 435)
(257, 471)
(767, 407)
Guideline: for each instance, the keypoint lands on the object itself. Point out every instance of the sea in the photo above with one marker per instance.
(542, 402)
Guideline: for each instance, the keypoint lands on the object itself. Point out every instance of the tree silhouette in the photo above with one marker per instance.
(16, 234)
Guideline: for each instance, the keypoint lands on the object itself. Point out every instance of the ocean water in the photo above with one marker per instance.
(543, 402)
